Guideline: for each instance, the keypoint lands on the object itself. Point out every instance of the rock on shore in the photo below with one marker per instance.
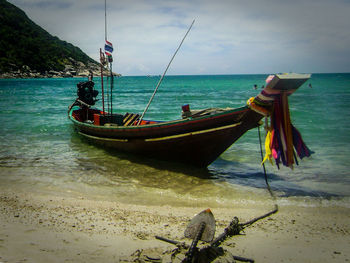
(73, 69)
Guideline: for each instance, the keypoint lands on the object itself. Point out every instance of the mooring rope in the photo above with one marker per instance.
(263, 165)
(235, 227)
(267, 186)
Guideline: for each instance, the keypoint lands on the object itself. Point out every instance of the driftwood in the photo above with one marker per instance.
(212, 252)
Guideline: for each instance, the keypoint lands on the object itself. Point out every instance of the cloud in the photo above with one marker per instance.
(229, 36)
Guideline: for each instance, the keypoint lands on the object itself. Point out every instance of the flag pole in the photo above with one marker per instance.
(110, 60)
(105, 42)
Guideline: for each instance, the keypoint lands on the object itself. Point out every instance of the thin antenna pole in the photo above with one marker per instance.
(161, 79)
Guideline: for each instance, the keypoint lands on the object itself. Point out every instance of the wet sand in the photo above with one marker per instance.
(43, 228)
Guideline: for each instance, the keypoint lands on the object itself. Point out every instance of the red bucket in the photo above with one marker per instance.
(186, 108)
(96, 119)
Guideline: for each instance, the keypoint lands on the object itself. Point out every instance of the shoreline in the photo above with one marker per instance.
(75, 69)
(52, 76)
(44, 228)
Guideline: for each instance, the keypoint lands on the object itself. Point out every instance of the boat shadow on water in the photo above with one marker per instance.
(235, 173)
(246, 176)
(141, 161)
(174, 167)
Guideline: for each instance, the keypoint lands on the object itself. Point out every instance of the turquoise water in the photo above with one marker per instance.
(39, 150)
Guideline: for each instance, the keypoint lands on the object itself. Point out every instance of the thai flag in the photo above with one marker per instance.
(109, 56)
(108, 47)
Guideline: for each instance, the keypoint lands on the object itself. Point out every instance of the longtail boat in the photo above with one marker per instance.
(198, 138)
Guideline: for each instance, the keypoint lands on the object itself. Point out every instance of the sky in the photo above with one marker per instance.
(228, 36)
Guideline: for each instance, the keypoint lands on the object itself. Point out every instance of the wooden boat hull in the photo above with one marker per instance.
(197, 141)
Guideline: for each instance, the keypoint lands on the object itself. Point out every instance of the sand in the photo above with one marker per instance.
(43, 228)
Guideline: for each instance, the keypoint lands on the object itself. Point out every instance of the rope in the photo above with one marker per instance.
(235, 227)
(263, 164)
(267, 186)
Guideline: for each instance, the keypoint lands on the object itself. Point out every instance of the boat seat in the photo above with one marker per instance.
(130, 118)
(204, 112)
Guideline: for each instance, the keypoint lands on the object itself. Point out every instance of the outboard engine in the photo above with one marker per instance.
(86, 92)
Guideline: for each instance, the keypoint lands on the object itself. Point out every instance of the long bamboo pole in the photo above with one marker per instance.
(105, 20)
(103, 95)
(161, 79)
(110, 67)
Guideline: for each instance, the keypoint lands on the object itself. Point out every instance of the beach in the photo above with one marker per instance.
(37, 227)
(65, 200)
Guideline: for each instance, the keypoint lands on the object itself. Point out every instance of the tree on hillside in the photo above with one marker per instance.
(23, 42)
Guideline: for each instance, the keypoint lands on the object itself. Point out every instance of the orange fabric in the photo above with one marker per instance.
(288, 131)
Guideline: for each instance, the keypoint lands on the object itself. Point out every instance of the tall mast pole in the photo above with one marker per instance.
(105, 20)
(110, 64)
(102, 61)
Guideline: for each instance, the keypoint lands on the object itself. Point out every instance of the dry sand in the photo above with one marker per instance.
(43, 228)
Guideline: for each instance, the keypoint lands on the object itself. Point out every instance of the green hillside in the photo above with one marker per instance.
(23, 43)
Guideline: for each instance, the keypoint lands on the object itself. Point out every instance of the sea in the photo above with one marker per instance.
(40, 152)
